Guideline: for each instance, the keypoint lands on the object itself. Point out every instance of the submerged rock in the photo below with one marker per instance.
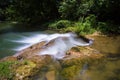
(77, 62)
(28, 65)
(51, 75)
(30, 51)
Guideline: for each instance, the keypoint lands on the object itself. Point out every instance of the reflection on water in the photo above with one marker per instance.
(106, 44)
(108, 70)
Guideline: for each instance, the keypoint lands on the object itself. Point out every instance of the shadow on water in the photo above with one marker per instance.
(7, 27)
(14, 31)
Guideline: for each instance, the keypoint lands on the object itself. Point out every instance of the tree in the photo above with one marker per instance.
(3, 5)
(32, 11)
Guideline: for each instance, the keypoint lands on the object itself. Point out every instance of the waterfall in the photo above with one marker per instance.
(61, 43)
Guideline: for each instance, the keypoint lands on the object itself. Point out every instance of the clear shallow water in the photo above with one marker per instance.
(108, 69)
(107, 44)
(104, 70)
(7, 44)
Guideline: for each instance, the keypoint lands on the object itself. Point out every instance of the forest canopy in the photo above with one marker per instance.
(99, 14)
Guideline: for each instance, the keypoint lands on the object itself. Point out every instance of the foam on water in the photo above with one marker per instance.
(59, 46)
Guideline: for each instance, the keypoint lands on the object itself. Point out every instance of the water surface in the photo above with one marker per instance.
(108, 69)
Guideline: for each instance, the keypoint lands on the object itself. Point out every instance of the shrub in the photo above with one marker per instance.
(75, 9)
(84, 26)
(108, 27)
(60, 24)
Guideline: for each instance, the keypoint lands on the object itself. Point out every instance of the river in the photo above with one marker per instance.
(107, 70)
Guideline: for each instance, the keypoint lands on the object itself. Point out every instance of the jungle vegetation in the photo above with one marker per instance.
(80, 16)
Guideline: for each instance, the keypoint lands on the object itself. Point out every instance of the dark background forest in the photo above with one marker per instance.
(70, 15)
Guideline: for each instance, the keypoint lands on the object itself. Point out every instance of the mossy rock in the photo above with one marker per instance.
(26, 69)
(6, 71)
(12, 68)
(70, 73)
(72, 66)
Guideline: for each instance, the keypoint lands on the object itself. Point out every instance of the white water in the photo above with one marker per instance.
(62, 43)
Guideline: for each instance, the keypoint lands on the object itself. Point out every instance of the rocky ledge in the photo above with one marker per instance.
(27, 65)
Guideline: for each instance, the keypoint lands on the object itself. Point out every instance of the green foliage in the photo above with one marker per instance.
(81, 28)
(60, 24)
(108, 27)
(38, 12)
(3, 5)
(75, 9)
(5, 70)
(68, 9)
(32, 11)
(105, 11)
(84, 26)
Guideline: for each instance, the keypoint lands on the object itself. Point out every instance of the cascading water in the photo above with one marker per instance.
(60, 43)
